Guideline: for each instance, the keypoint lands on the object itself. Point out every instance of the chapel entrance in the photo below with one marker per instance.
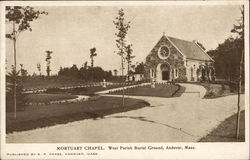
(165, 75)
(165, 70)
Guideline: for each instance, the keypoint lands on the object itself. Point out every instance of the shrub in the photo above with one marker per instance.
(54, 90)
(181, 79)
(223, 87)
(213, 78)
(20, 99)
(20, 96)
(233, 86)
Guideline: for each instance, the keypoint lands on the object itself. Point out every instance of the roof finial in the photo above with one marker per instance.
(164, 34)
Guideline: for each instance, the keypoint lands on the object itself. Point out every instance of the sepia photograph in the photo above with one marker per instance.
(124, 73)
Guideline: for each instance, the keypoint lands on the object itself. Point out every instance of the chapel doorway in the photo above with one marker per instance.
(165, 75)
(165, 70)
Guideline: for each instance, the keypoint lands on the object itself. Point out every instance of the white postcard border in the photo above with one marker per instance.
(239, 150)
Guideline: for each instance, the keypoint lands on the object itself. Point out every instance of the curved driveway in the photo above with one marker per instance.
(179, 119)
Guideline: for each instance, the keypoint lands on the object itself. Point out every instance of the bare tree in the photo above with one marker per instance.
(122, 26)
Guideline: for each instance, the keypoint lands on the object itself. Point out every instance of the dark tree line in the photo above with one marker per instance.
(227, 59)
(229, 55)
(85, 73)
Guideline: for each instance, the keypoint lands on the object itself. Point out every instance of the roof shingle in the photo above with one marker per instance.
(190, 49)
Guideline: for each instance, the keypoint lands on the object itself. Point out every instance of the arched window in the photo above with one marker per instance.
(192, 72)
(173, 72)
(151, 73)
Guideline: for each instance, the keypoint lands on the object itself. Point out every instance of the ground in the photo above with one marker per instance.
(49, 115)
(48, 97)
(46, 84)
(219, 90)
(225, 132)
(179, 119)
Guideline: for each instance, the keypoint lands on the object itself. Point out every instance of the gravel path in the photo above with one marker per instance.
(179, 119)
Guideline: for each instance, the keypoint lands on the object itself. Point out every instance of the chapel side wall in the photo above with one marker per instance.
(196, 65)
(175, 60)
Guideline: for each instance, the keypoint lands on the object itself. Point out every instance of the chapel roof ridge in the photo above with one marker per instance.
(188, 48)
(191, 41)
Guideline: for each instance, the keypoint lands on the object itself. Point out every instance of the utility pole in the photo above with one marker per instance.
(15, 79)
(123, 82)
(239, 91)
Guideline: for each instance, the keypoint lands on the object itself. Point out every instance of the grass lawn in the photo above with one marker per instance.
(160, 90)
(225, 132)
(55, 84)
(41, 116)
(49, 84)
(48, 97)
(82, 90)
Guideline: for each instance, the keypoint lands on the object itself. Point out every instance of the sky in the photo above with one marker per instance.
(71, 31)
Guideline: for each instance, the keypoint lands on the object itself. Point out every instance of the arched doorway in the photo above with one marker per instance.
(165, 72)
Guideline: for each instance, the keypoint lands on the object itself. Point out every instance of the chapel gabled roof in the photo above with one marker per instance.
(190, 49)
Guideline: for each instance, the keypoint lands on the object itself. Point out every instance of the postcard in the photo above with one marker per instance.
(124, 80)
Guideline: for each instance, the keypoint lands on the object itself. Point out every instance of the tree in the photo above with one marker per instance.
(239, 29)
(92, 55)
(227, 59)
(122, 26)
(140, 68)
(73, 71)
(38, 66)
(85, 65)
(48, 58)
(14, 78)
(129, 57)
(87, 74)
(24, 73)
(133, 68)
(115, 72)
(20, 18)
